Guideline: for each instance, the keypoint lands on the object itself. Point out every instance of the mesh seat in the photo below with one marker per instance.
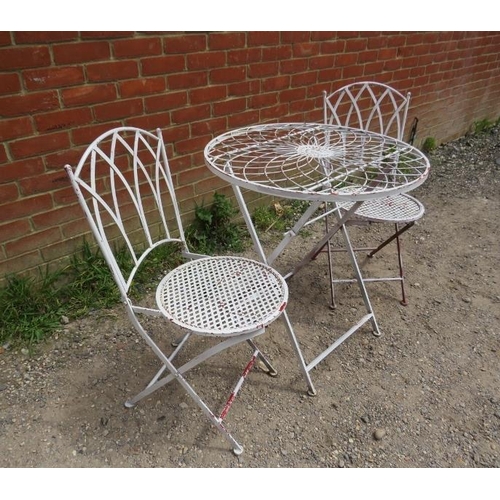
(378, 108)
(124, 186)
(238, 295)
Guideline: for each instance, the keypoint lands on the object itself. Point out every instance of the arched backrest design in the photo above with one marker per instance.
(124, 185)
(368, 106)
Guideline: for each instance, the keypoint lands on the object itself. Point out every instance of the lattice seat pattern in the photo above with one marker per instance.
(238, 295)
(400, 208)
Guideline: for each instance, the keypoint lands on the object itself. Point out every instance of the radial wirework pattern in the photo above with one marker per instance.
(222, 295)
(399, 208)
(316, 161)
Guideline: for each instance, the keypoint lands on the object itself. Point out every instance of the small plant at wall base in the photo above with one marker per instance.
(213, 229)
(429, 145)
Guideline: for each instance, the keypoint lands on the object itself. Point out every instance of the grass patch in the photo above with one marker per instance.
(278, 217)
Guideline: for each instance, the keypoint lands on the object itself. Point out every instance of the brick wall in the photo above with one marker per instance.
(59, 90)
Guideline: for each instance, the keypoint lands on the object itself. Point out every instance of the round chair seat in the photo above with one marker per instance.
(398, 208)
(222, 295)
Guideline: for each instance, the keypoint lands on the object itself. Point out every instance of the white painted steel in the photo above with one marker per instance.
(316, 162)
(237, 294)
(376, 107)
(321, 163)
(124, 186)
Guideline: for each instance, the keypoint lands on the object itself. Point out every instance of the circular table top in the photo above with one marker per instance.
(316, 162)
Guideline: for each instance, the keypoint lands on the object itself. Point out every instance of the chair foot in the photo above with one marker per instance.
(238, 451)
(272, 373)
(311, 392)
(376, 333)
(129, 404)
(403, 302)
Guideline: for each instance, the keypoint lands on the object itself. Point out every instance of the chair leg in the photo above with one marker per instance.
(271, 371)
(177, 374)
(404, 302)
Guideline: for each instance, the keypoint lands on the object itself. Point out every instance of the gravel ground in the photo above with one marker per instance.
(423, 395)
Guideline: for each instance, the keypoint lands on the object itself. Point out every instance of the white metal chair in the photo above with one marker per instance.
(124, 186)
(382, 109)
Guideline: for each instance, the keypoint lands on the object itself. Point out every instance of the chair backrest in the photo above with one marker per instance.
(124, 185)
(369, 106)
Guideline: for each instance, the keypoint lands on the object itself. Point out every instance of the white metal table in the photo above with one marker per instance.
(319, 163)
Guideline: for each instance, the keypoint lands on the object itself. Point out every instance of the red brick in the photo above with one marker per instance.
(9, 192)
(5, 38)
(292, 95)
(208, 94)
(29, 261)
(274, 112)
(167, 100)
(78, 52)
(174, 134)
(88, 94)
(55, 161)
(276, 83)
(43, 183)
(53, 77)
(15, 128)
(259, 70)
(32, 242)
(191, 145)
(349, 72)
(242, 119)
(321, 62)
(322, 35)
(91, 35)
(9, 83)
(163, 65)
(205, 60)
(85, 135)
(57, 216)
(25, 207)
(224, 41)
(295, 36)
(34, 146)
(14, 230)
(192, 114)
(112, 70)
(119, 109)
(209, 127)
(187, 80)
(65, 119)
(228, 75)
(346, 59)
(263, 38)
(304, 79)
(244, 56)
(28, 104)
(3, 154)
(137, 47)
(142, 86)
(23, 57)
(276, 53)
(19, 169)
(244, 88)
(44, 36)
(229, 107)
(305, 49)
(293, 66)
(194, 175)
(357, 45)
(263, 100)
(183, 44)
(150, 121)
